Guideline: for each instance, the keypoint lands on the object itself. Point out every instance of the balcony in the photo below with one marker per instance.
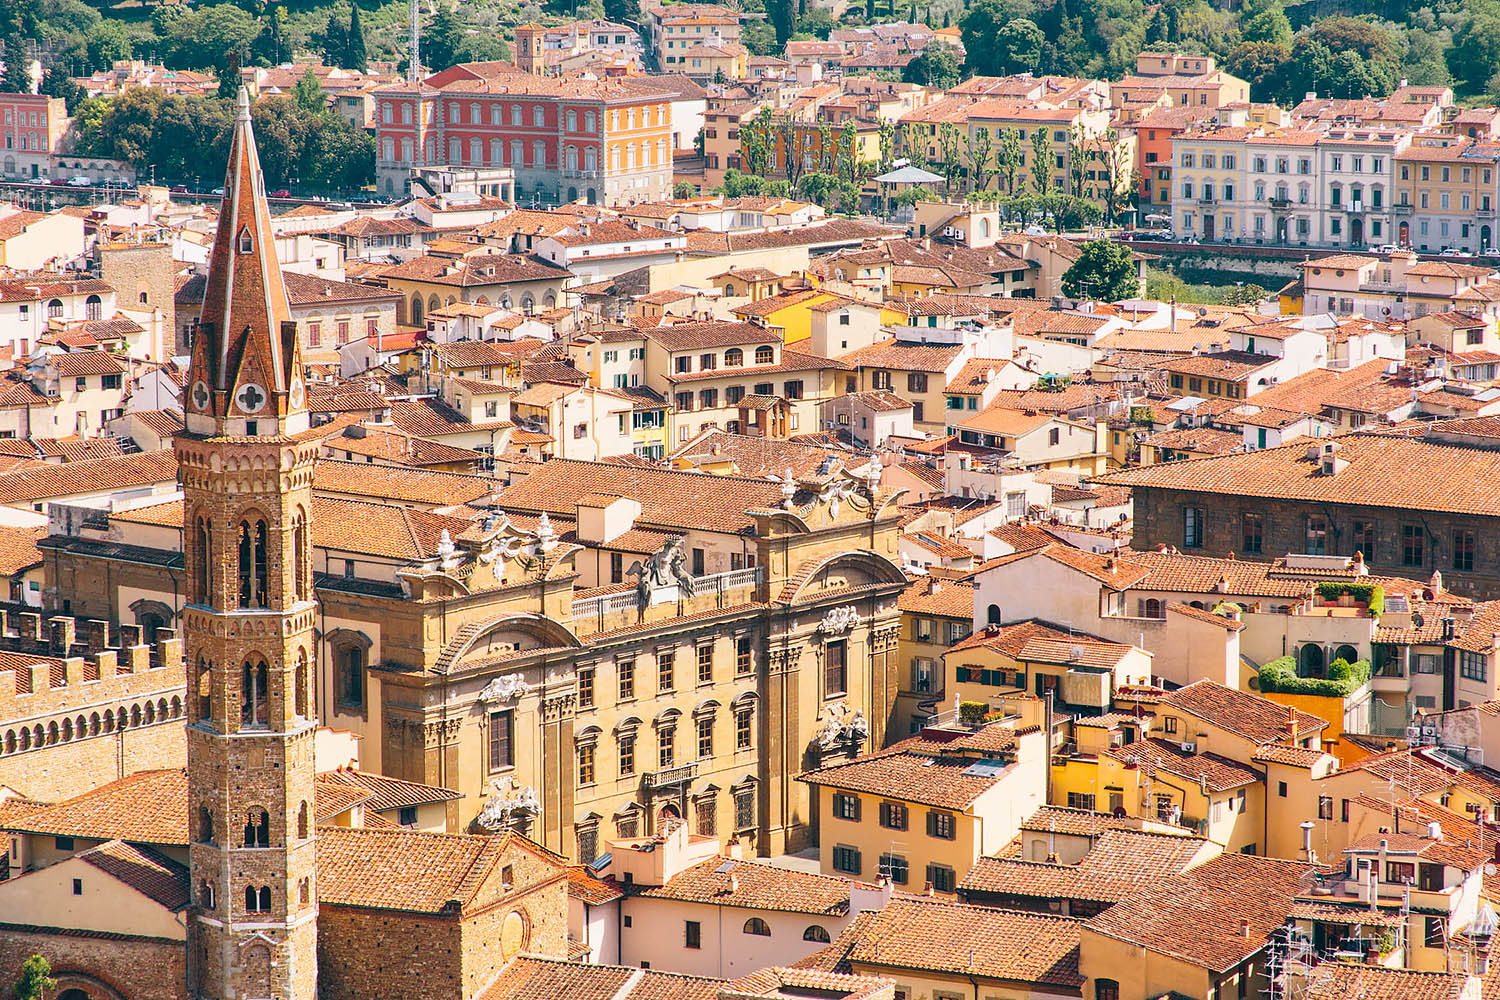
(573, 173)
(1281, 203)
(670, 777)
(1207, 199)
(1402, 208)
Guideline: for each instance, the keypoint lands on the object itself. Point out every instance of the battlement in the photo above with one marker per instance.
(60, 664)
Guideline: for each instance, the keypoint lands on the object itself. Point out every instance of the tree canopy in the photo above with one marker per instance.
(1104, 271)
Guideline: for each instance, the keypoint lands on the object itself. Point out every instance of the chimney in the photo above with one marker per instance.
(1245, 929)
(1307, 851)
(1291, 723)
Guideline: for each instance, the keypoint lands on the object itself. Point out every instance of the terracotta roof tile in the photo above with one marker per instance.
(754, 885)
(1257, 719)
(148, 872)
(1119, 863)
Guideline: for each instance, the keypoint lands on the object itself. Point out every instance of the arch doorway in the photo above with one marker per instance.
(1356, 232)
(1310, 660)
(668, 813)
(1484, 238)
(1403, 234)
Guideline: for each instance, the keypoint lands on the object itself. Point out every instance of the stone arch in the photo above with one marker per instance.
(52, 733)
(872, 565)
(416, 309)
(67, 730)
(152, 616)
(135, 716)
(10, 741)
(73, 983)
(176, 706)
(434, 303)
(150, 712)
(109, 720)
(515, 630)
(94, 724)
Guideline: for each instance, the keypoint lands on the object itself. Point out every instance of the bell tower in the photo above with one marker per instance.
(247, 627)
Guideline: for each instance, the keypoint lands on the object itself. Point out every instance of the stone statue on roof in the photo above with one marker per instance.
(665, 567)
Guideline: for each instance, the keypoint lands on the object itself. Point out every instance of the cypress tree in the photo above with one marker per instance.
(356, 57)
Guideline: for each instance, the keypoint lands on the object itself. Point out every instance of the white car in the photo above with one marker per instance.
(79, 182)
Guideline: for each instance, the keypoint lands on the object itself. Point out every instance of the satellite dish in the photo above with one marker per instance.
(1491, 869)
(1076, 652)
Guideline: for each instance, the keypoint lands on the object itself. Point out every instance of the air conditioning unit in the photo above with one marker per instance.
(1189, 746)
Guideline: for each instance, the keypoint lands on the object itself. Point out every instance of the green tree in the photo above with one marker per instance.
(106, 43)
(17, 77)
(980, 153)
(623, 11)
(739, 185)
(936, 66)
(1104, 271)
(336, 41)
(308, 94)
(1244, 295)
(1008, 157)
(1018, 48)
(989, 38)
(756, 138)
(816, 23)
(36, 979)
(1266, 66)
(57, 83)
(1041, 162)
(1080, 148)
(270, 46)
(783, 18)
(948, 145)
(1476, 46)
(1119, 181)
(759, 37)
(355, 56)
(1266, 21)
(684, 189)
(442, 38)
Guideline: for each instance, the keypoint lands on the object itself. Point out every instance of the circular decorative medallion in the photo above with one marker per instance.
(250, 398)
(297, 393)
(200, 395)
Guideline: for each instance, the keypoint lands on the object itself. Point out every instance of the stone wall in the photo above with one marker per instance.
(105, 966)
(1159, 520)
(59, 772)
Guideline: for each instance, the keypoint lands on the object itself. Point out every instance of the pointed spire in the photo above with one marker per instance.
(246, 364)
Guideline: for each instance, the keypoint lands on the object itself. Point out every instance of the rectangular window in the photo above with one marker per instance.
(895, 867)
(627, 679)
(665, 662)
(705, 737)
(1081, 800)
(1433, 935)
(1316, 540)
(502, 751)
(941, 824)
(1254, 532)
(942, 877)
(742, 731)
(743, 658)
(1473, 666)
(705, 664)
(1400, 872)
(1411, 545)
(846, 806)
(692, 934)
(586, 763)
(1463, 550)
(744, 808)
(846, 860)
(585, 687)
(1192, 527)
(627, 756)
(1325, 807)
(893, 815)
(835, 668)
(666, 747)
(1362, 537)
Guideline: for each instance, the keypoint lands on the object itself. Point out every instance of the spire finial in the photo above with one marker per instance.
(242, 104)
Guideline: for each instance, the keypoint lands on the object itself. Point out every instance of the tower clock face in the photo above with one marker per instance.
(199, 394)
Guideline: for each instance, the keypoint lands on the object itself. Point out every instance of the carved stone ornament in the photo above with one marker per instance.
(508, 803)
(842, 727)
(503, 689)
(666, 567)
(839, 620)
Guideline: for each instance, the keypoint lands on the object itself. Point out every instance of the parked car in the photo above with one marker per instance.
(79, 182)
(283, 193)
(218, 191)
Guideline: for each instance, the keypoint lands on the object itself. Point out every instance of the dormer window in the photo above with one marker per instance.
(247, 245)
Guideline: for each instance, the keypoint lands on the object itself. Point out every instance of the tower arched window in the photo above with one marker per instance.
(300, 555)
(257, 828)
(265, 899)
(300, 678)
(206, 894)
(255, 709)
(204, 561)
(302, 824)
(247, 244)
(253, 563)
(205, 825)
(204, 689)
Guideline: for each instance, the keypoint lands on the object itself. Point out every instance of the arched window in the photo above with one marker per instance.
(254, 707)
(538, 117)
(992, 615)
(734, 357)
(816, 932)
(299, 700)
(1346, 653)
(206, 894)
(1310, 660)
(265, 899)
(250, 533)
(55, 309)
(252, 900)
(528, 303)
(300, 556)
(764, 355)
(758, 927)
(93, 307)
(150, 713)
(67, 730)
(135, 716)
(204, 688)
(302, 822)
(52, 734)
(1153, 609)
(257, 829)
(205, 825)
